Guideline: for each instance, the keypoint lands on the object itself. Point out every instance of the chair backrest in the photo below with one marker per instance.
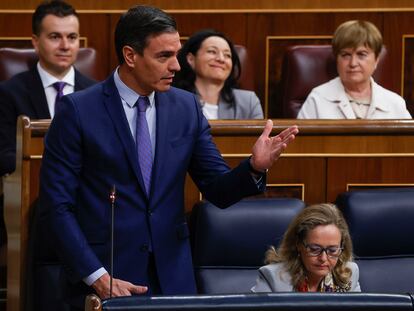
(381, 226)
(247, 77)
(14, 61)
(229, 244)
(307, 66)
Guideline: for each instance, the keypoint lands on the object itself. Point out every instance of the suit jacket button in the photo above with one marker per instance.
(149, 212)
(144, 248)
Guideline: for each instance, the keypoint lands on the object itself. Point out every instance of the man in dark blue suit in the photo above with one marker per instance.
(137, 133)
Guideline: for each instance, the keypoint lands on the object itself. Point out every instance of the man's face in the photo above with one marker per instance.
(154, 70)
(57, 45)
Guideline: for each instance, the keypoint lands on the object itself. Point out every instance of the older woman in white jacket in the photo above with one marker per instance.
(354, 94)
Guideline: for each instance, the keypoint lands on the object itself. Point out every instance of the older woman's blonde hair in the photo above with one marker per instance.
(355, 33)
(309, 218)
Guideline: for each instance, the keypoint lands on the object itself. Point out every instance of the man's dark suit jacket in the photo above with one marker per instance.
(89, 148)
(24, 94)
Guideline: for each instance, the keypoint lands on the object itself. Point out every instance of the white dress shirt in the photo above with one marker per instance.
(50, 91)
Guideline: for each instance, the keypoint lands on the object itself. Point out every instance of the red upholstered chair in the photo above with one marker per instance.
(307, 66)
(14, 61)
(246, 80)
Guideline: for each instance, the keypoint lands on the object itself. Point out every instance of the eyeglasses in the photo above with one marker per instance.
(314, 250)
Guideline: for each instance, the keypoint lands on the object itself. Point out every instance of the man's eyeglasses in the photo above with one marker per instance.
(314, 250)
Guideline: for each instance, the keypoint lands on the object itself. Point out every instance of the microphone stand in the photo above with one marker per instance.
(112, 197)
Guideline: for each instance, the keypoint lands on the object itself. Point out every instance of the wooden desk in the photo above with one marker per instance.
(327, 157)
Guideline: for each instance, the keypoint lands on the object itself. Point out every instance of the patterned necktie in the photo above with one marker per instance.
(143, 141)
(59, 89)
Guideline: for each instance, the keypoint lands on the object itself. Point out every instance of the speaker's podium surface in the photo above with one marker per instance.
(259, 302)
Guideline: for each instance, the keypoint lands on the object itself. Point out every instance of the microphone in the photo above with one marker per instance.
(112, 197)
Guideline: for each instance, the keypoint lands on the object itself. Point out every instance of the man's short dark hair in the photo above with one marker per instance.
(137, 25)
(55, 7)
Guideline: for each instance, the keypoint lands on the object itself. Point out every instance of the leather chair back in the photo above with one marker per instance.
(381, 226)
(14, 61)
(305, 67)
(229, 244)
(247, 77)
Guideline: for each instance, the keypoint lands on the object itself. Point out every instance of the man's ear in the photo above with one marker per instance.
(190, 59)
(129, 55)
(35, 42)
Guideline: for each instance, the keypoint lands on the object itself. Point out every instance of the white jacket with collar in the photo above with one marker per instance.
(329, 101)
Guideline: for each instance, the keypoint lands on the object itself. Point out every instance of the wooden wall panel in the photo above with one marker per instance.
(368, 172)
(113, 60)
(223, 4)
(264, 33)
(15, 30)
(309, 172)
(407, 89)
(396, 26)
(234, 25)
(301, 178)
(95, 27)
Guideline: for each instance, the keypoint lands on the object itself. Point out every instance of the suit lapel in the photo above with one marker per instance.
(37, 95)
(116, 112)
(163, 105)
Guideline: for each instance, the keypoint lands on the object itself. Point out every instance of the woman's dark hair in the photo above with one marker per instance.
(186, 77)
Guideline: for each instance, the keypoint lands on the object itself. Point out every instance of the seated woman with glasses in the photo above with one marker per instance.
(315, 255)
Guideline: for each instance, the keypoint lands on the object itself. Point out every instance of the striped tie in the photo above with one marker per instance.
(143, 141)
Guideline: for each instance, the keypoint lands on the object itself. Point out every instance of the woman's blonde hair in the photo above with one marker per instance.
(309, 218)
(355, 33)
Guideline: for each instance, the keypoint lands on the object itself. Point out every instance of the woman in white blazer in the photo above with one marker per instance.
(354, 94)
(315, 255)
(210, 68)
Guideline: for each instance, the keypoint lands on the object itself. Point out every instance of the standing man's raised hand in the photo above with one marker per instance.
(267, 149)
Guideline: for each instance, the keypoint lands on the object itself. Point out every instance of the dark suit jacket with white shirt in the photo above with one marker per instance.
(24, 94)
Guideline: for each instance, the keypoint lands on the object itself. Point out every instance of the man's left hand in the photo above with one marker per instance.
(268, 149)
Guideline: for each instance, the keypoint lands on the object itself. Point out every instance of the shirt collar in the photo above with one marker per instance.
(128, 94)
(48, 79)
